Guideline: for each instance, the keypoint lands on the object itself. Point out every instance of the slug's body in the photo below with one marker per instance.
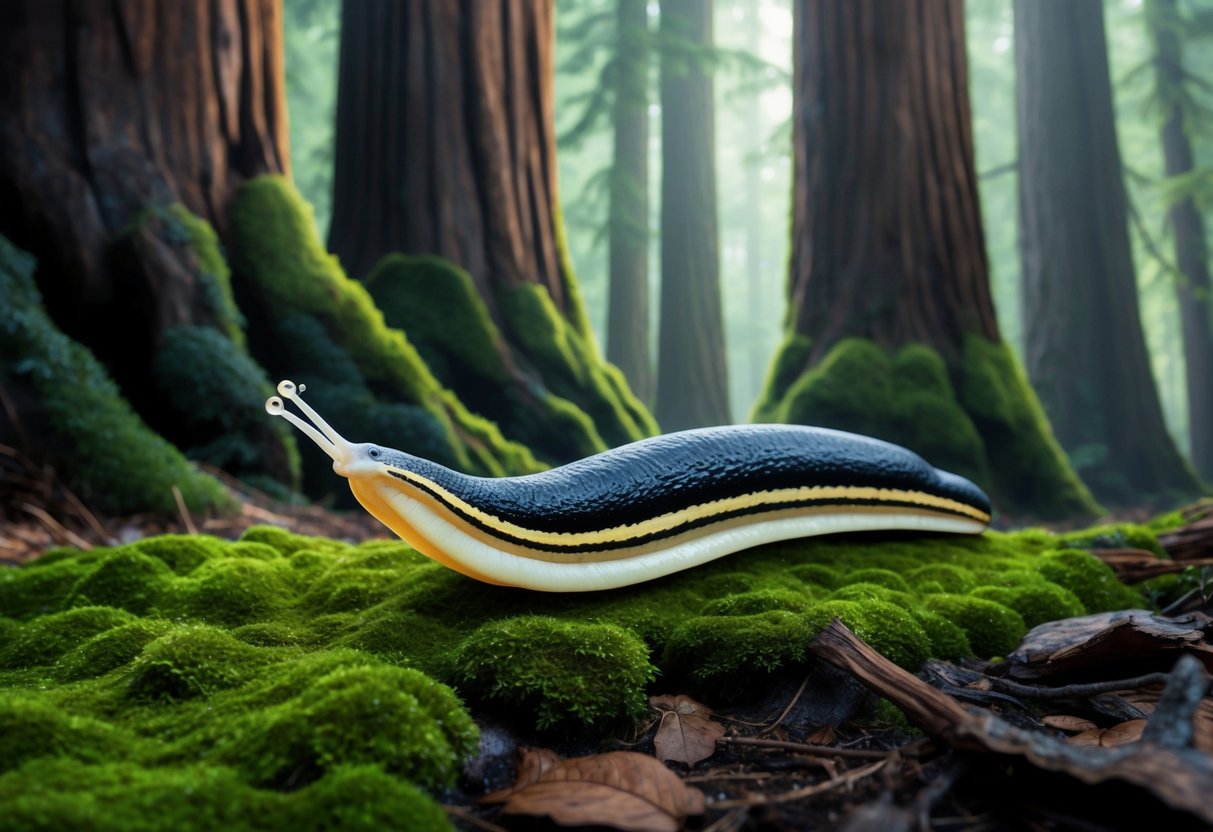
(652, 507)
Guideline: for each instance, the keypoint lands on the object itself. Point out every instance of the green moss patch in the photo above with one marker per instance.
(436, 304)
(571, 366)
(979, 419)
(94, 437)
(288, 675)
(319, 327)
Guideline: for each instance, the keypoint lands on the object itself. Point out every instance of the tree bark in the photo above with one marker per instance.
(692, 376)
(887, 240)
(628, 301)
(446, 146)
(1191, 245)
(115, 113)
(446, 142)
(1083, 341)
(892, 330)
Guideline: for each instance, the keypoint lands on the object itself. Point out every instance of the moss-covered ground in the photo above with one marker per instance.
(193, 683)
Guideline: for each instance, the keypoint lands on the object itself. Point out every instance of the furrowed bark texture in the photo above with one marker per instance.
(114, 113)
(891, 330)
(445, 140)
(886, 239)
(446, 146)
(1191, 246)
(692, 377)
(628, 301)
(1084, 347)
(112, 107)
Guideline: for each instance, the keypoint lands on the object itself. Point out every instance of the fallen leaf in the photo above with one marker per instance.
(825, 735)
(1122, 734)
(686, 733)
(1069, 723)
(533, 763)
(620, 790)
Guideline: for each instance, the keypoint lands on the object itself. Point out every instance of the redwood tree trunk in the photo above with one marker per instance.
(1191, 245)
(887, 240)
(892, 330)
(628, 302)
(114, 111)
(1083, 341)
(446, 146)
(446, 142)
(692, 376)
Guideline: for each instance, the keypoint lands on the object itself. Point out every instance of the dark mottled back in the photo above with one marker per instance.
(671, 472)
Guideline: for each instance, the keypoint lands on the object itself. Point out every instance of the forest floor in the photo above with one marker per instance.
(1101, 722)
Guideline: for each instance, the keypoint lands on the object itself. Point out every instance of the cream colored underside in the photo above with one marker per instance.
(430, 532)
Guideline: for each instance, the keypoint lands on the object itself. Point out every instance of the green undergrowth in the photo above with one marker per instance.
(979, 419)
(312, 323)
(191, 682)
(96, 440)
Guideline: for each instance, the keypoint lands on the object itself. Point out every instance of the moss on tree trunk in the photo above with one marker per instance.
(310, 322)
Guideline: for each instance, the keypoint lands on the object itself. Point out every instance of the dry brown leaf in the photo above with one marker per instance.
(1063, 722)
(686, 733)
(1121, 734)
(620, 790)
(532, 764)
(825, 735)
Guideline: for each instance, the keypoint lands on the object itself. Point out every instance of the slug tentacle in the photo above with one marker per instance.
(329, 440)
(650, 508)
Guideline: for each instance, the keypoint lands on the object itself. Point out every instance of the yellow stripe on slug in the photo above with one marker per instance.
(672, 521)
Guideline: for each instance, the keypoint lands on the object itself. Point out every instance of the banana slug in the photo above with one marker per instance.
(650, 508)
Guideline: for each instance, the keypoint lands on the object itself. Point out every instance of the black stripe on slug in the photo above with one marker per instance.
(682, 528)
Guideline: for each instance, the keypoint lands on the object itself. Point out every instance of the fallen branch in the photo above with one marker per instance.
(915, 750)
(1163, 763)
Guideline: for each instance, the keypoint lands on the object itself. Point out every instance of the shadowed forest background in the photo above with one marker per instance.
(973, 229)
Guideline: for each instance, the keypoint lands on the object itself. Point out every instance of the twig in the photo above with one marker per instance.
(787, 710)
(822, 750)
(89, 517)
(57, 529)
(806, 791)
(467, 817)
(1076, 691)
(730, 822)
(185, 512)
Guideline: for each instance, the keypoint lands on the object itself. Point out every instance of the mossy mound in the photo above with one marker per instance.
(567, 358)
(979, 419)
(436, 304)
(314, 324)
(97, 442)
(561, 671)
(205, 391)
(275, 672)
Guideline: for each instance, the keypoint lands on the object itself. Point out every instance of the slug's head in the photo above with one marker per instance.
(352, 460)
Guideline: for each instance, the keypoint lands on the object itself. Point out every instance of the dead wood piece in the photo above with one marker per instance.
(1137, 565)
(1178, 776)
(1128, 640)
(1194, 540)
